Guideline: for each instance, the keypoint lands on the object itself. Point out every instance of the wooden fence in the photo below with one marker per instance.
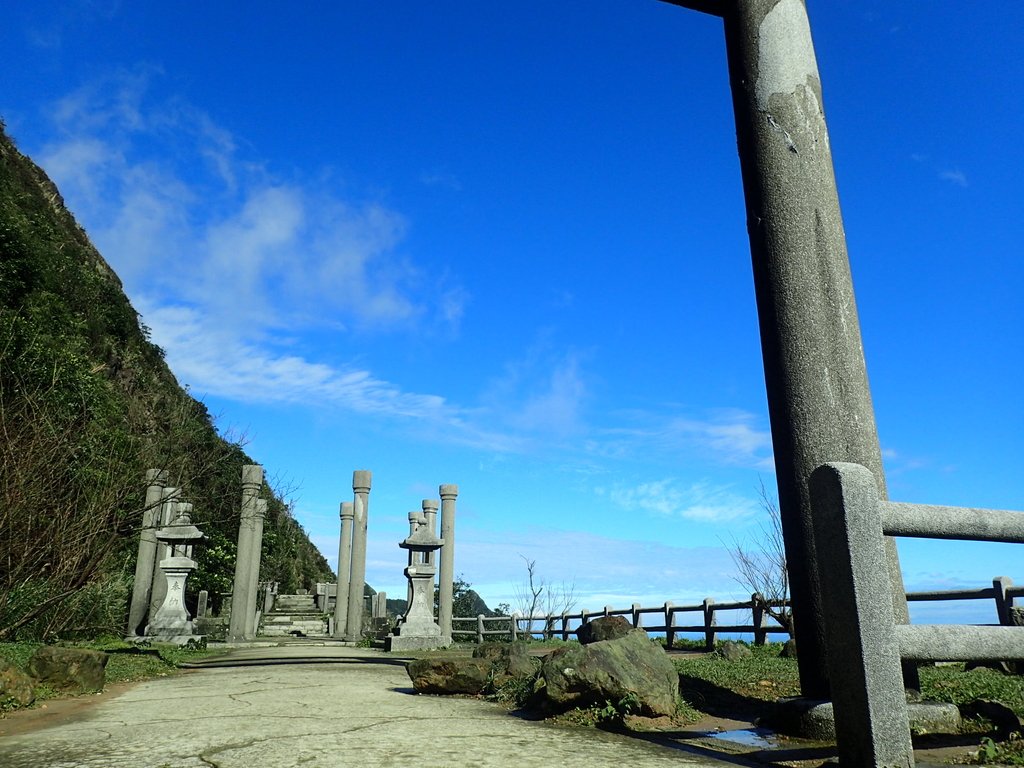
(566, 625)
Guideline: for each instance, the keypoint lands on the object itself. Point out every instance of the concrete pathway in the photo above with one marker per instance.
(315, 707)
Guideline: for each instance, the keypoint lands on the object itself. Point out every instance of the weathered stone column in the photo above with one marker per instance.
(361, 479)
(819, 401)
(252, 479)
(145, 560)
(252, 594)
(446, 574)
(163, 516)
(430, 507)
(347, 515)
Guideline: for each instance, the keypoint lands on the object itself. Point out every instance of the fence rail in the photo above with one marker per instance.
(566, 625)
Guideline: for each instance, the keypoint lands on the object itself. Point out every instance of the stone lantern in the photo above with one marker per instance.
(418, 630)
(172, 623)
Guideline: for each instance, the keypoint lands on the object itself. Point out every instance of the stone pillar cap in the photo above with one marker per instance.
(448, 490)
(156, 476)
(252, 474)
(361, 480)
(431, 505)
(347, 509)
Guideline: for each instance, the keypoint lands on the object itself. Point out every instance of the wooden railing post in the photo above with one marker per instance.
(479, 628)
(757, 607)
(565, 626)
(636, 614)
(1003, 601)
(670, 621)
(708, 607)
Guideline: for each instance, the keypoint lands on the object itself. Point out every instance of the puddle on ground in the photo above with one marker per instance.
(762, 738)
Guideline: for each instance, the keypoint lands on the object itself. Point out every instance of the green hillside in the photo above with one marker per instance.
(87, 404)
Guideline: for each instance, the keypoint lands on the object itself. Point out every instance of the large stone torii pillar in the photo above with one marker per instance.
(252, 481)
(361, 480)
(347, 515)
(145, 560)
(446, 573)
(819, 401)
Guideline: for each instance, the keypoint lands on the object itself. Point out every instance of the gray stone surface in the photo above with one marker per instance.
(446, 573)
(863, 655)
(733, 651)
(604, 628)
(146, 554)
(816, 719)
(581, 676)
(347, 515)
(16, 687)
(508, 661)
(361, 481)
(819, 401)
(75, 670)
(253, 573)
(450, 676)
(168, 509)
(252, 480)
(355, 708)
(417, 628)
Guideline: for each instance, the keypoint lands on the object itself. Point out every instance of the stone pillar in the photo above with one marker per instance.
(347, 515)
(446, 575)
(361, 479)
(252, 479)
(145, 561)
(162, 517)
(201, 608)
(430, 507)
(252, 594)
(819, 401)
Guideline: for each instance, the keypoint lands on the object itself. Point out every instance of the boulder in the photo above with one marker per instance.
(788, 649)
(509, 661)
(16, 688)
(731, 651)
(604, 628)
(448, 676)
(610, 671)
(75, 670)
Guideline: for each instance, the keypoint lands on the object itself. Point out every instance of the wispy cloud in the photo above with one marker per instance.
(697, 501)
(954, 176)
(260, 251)
(730, 436)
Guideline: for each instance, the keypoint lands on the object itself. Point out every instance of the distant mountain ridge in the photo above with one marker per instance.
(87, 404)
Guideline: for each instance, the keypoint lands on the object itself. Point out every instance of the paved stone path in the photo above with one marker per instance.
(343, 707)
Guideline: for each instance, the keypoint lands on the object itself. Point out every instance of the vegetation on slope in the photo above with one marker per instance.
(87, 404)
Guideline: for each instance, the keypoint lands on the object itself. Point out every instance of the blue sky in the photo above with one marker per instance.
(504, 247)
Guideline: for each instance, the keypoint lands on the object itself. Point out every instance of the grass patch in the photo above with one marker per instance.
(717, 686)
(951, 683)
(127, 663)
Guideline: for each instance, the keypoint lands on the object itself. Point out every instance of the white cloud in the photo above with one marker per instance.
(954, 176)
(204, 224)
(698, 501)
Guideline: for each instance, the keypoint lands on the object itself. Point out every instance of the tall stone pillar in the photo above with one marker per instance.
(361, 489)
(446, 574)
(163, 516)
(252, 480)
(430, 507)
(347, 515)
(819, 401)
(256, 552)
(145, 561)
